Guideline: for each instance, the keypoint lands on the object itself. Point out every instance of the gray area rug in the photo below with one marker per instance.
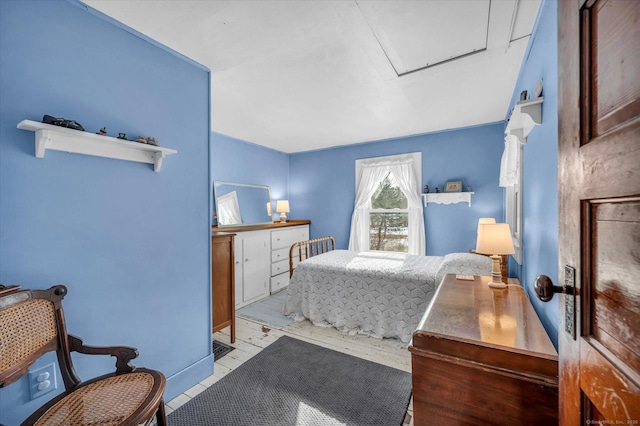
(292, 382)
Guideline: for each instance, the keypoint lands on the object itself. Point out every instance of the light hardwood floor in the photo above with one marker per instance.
(252, 336)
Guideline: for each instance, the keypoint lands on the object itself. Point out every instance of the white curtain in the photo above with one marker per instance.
(406, 169)
(509, 165)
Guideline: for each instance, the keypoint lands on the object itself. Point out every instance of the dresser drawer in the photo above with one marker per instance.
(279, 254)
(283, 254)
(278, 268)
(279, 282)
(285, 238)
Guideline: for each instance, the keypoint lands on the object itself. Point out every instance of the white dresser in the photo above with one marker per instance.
(262, 258)
(281, 242)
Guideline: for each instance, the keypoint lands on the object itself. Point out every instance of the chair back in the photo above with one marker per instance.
(29, 328)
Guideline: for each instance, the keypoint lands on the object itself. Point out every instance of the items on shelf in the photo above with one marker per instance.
(61, 122)
(72, 124)
(448, 187)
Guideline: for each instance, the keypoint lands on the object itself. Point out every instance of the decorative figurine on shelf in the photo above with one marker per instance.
(102, 132)
(468, 188)
(523, 95)
(426, 189)
(437, 190)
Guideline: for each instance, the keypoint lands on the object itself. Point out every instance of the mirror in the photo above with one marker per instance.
(241, 204)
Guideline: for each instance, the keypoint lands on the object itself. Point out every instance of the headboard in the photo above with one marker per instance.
(306, 249)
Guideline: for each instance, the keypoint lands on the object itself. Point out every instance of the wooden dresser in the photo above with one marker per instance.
(480, 356)
(222, 283)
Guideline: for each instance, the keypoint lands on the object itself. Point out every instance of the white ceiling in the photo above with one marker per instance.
(298, 75)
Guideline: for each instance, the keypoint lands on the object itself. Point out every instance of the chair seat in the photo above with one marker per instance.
(109, 400)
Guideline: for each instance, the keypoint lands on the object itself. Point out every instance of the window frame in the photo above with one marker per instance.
(417, 165)
(513, 208)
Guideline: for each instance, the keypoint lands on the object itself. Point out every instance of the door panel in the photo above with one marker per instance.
(256, 265)
(615, 310)
(613, 63)
(599, 202)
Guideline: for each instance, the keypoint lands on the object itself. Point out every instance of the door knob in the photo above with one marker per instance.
(544, 288)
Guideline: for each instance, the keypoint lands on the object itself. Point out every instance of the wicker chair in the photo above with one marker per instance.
(32, 324)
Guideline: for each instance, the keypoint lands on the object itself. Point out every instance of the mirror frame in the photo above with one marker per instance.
(216, 196)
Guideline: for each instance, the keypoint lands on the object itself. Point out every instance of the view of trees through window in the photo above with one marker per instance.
(389, 218)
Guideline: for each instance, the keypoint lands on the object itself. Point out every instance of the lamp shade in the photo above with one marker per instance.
(269, 212)
(494, 238)
(282, 206)
(485, 220)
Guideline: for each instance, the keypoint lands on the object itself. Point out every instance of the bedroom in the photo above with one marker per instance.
(117, 233)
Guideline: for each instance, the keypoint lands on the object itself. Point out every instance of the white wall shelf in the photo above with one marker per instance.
(447, 198)
(48, 136)
(525, 115)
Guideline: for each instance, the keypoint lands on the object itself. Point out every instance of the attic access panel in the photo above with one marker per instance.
(420, 34)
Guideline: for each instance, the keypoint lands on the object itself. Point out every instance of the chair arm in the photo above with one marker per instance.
(123, 354)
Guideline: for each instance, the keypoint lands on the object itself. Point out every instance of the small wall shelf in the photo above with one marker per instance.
(57, 138)
(447, 198)
(525, 115)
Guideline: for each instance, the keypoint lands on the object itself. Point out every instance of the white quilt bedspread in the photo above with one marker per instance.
(375, 293)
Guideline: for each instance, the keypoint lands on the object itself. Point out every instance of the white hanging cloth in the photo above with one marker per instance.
(510, 163)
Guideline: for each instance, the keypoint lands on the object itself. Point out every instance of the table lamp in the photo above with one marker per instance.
(485, 220)
(495, 239)
(282, 207)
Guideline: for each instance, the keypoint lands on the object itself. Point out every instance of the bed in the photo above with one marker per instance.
(381, 294)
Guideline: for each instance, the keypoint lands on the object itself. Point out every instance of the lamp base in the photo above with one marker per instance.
(496, 273)
(283, 217)
(500, 285)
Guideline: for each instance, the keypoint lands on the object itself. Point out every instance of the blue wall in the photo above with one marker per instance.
(235, 160)
(322, 183)
(540, 188)
(131, 245)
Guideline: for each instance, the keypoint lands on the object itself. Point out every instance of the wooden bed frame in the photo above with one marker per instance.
(310, 248)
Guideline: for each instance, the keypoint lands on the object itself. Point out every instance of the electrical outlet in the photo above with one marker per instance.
(42, 380)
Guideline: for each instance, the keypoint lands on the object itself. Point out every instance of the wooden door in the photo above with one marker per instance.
(599, 201)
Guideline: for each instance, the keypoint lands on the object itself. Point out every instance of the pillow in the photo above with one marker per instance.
(464, 263)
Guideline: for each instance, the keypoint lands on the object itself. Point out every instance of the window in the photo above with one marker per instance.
(511, 180)
(387, 212)
(514, 218)
(389, 217)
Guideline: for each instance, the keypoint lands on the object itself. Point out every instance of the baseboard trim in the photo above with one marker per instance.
(188, 377)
